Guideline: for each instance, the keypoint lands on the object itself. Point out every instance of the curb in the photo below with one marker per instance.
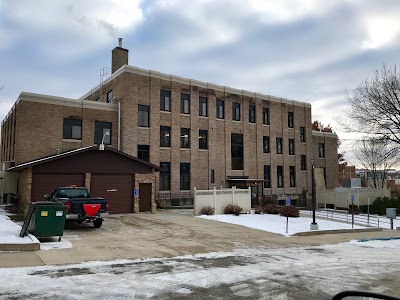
(33, 246)
(319, 232)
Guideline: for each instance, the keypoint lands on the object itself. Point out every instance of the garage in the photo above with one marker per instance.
(44, 183)
(106, 172)
(117, 188)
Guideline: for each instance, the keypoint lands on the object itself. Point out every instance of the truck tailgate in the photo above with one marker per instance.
(77, 204)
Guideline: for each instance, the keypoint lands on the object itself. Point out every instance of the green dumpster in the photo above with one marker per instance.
(47, 219)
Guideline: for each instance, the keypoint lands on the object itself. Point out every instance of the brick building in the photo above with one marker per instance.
(203, 135)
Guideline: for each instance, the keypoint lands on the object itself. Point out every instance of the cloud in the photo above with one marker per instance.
(68, 28)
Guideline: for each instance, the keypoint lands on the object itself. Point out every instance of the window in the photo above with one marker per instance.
(303, 162)
(278, 145)
(165, 100)
(165, 176)
(185, 176)
(100, 129)
(185, 138)
(143, 152)
(267, 176)
(302, 134)
(203, 139)
(266, 115)
(212, 176)
(220, 109)
(72, 129)
(144, 116)
(292, 176)
(266, 144)
(203, 106)
(279, 174)
(165, 136)
(321, 150)
(237, 151)
(252, 113)
(109, 96)
(291, 146)
(236, 111)
(185, 103)
(290, 119)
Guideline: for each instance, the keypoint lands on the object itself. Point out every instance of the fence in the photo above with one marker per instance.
(219, 199)
(342, 197)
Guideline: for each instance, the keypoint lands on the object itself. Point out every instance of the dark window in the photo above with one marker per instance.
(143, 116)
(279, 174)
(144, 152)
(203, 139)
(220, 109)
(165, 136)
(290, 119)
(185, 103)
(72, 129)
(252, 113)
(100, 132)
(302, 134)
(266, 144)
(203, 106)
(278, 145)
(267, 176)
(212, 176)
(303, 162)
(185, 138)
(266, 115)
(236, 111)
(321, 150)
(165, 100)
(165, 176)
(237, 151)
(292, 176)
(185, 176)
(291, 146)
(109, 96)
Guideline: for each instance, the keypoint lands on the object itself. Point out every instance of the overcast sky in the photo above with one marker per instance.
(305, 50)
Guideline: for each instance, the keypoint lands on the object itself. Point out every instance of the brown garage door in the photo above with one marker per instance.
(44, 183)
(117, 189)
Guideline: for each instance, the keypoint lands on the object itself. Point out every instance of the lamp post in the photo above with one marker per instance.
(101, 147)
(314, 225)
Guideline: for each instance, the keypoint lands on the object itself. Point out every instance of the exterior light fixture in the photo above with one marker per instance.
(101, 146)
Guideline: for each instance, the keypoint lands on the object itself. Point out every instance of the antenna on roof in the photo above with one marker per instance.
(103, 73)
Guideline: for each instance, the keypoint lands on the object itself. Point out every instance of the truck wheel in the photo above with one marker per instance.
(97, 223)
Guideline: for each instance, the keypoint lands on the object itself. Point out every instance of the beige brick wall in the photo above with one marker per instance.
(24, 189)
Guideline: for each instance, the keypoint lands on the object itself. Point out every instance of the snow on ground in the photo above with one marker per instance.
(277, 224)
(316, 272)
(9, 234)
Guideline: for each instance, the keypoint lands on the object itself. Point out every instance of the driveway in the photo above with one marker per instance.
(165, 234)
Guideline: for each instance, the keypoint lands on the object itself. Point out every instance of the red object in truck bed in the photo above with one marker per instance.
(91, 209)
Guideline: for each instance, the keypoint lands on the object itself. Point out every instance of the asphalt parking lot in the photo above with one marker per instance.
(165, 234)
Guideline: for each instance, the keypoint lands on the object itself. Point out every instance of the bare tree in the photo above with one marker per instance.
(375, 106)
(377, 157)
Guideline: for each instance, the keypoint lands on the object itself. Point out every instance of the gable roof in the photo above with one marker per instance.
(76, 151)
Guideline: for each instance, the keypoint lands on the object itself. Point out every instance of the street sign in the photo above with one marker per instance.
(136, 193)
(287, 200)
(352, 198)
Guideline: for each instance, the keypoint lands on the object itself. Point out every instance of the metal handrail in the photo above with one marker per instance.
(346, 216)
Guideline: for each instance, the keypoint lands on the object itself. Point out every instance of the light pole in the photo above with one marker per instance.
(314, 225)
(101, 147)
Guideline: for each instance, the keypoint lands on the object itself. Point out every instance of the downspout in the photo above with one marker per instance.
(119, 123)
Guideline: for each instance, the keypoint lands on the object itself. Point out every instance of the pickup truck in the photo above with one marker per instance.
(81, 207)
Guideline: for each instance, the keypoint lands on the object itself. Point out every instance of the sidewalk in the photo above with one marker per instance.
(165, 234)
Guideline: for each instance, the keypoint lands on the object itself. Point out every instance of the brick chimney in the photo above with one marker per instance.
(119, 57)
